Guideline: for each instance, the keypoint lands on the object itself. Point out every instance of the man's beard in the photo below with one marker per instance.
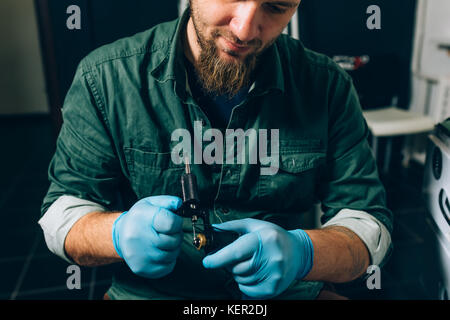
(218, 76)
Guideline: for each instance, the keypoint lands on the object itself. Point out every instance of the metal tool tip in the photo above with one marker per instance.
(186, 162)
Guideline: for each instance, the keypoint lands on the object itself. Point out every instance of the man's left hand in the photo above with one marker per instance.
(265, 259)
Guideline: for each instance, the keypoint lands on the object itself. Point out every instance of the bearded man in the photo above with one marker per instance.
(115, 190)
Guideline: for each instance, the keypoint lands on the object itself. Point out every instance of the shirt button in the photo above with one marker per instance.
(225, 211)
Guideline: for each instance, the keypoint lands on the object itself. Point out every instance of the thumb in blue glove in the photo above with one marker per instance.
(266, 259)
(148, 236)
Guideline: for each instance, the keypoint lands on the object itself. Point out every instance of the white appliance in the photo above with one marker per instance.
(437, 192)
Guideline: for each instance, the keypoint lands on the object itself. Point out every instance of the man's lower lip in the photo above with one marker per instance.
(236, 48)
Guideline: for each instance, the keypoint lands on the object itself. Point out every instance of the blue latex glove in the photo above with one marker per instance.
(265, 259)
(148, 236)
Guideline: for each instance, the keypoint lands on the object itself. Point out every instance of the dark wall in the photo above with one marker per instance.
(102, 21)
(339, 28)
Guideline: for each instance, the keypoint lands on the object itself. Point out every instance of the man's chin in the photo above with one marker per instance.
(233, 57)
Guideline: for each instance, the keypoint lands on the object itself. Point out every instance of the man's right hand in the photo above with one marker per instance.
(148, 236)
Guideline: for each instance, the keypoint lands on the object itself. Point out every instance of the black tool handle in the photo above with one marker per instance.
(189, 188)
(191, 199)
(219, 239)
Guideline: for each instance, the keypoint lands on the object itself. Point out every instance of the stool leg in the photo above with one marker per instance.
(375, 146)
(406, 152)
(387, 156)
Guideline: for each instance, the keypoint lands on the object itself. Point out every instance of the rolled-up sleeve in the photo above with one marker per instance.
(59, 219)
(350, 179)
(84, 166)
(370, 230)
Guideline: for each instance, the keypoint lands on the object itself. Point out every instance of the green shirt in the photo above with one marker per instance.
(115, 148)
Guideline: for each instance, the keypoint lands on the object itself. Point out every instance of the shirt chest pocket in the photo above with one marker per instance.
(293, 186)
(153, 173)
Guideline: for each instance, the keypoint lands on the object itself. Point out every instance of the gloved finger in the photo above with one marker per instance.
(157, 270)
(249, 280)
(244, 268)
(239, 250)
(165, 241)
(163, 256)
(165, 221)
(171, 203)
(242, 226)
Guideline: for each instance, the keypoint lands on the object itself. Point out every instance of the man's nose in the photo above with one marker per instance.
(246, 24)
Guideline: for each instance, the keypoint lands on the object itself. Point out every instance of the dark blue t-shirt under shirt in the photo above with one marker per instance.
(216, 107)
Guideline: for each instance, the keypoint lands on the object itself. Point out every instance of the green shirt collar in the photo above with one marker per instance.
(270, 72)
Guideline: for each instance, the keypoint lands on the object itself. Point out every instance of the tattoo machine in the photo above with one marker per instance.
(210, 238)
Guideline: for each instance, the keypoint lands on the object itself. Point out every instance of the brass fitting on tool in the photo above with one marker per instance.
(210, 239)
(200, 241)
